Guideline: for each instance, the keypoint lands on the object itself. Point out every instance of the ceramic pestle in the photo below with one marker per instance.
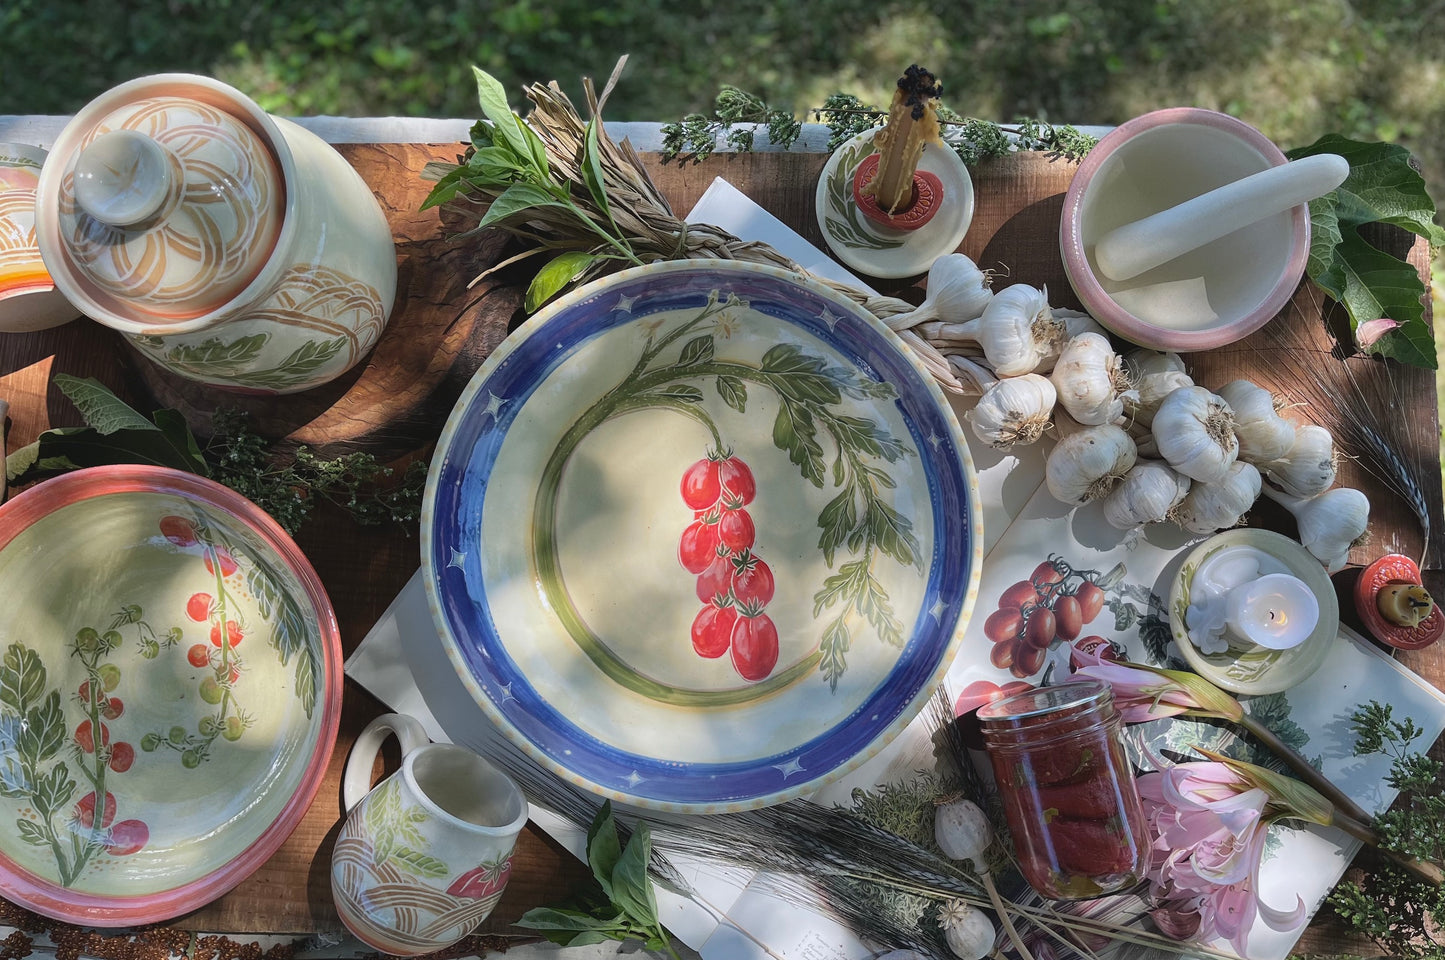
(1134, 248)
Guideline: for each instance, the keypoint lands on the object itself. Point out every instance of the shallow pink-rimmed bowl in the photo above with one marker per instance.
(165, 646)
(1217, 294)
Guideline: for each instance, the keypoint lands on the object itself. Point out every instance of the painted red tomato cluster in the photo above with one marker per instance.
(733, 583)
(1053, 604)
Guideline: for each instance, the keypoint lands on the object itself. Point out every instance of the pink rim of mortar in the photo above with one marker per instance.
(38, 502)
(105, 309)
(1116, 318)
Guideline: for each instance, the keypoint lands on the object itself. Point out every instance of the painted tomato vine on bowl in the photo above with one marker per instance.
(828, 442)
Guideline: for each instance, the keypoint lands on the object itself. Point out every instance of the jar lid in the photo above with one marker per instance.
(1042, 701)
(167, 207)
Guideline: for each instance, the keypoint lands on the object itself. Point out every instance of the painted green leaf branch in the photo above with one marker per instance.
(1382, 187)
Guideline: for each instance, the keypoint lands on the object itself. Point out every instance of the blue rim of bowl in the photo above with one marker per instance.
(473, 437)
(1105, 308)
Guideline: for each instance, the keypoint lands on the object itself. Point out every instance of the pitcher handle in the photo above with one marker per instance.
(356, 780)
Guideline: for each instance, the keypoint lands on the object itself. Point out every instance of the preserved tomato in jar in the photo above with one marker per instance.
(1067, 789)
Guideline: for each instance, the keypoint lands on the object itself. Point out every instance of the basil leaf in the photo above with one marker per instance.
(631, 887)
(505, 124)
(519, 198)
(557, 274)
(101, 409)
(603, 848)
(1371, 284)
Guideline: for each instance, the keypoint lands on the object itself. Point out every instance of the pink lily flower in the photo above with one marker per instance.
(1209, 821)
(1369, 333)
(1151, 693)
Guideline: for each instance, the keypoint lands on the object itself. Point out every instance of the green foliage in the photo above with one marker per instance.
(630, 909)
(288, 488)
(1396, 909)
(695, 136)
(1382, 187)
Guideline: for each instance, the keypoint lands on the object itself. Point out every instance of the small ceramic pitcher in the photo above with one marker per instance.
(423, 857)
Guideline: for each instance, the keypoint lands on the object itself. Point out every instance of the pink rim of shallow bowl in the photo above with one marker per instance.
(53, 900)
(1116, 318)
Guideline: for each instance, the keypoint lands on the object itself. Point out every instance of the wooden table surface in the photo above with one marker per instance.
(441, 331)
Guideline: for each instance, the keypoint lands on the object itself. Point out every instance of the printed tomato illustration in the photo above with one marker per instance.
(178, 530)
(1004, 625)
(228, 563)
(198, 608)
(1019, 594)
(122, 755)
(128, 837)
(712, 630)
(752, 580)
(736, 530)
(1028, 660)
(1047, 573)
(198, 655)
(714, 582)
(1068, 618)
(86, 739)
(1093, 646)
(737, 480)
(85, 810)
(1091, 600)
(700, 485)
(754, 646)
(111, 708)
(980, 692)
(233, 634)
(1039, 631)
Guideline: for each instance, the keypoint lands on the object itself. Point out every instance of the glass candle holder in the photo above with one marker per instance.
(1068, 789)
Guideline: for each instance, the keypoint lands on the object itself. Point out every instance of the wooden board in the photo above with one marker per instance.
(442, 329)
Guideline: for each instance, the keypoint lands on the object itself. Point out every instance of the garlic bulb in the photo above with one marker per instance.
(1308, 469)
(1016, 330)
(1144, 362)
(1214, 506)
(1086, 465)
(1147, 493)
(1195, 433)
(1263, 434)
(1330, 523)
(1150, 390)
(1013, 410)
(1090, 380)
(962, 831)
(957, 291)
(1075, 323)
(967, 929)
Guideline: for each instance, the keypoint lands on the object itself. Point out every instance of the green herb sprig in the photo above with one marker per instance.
(1394, 908)
(696, 136)
(630, 910)
(285, 486)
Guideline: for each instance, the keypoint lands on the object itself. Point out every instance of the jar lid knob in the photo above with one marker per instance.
(122, 178)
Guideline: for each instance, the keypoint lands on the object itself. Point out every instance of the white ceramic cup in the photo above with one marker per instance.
(425, 855)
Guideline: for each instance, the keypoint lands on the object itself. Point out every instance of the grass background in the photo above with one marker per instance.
(1368, 69)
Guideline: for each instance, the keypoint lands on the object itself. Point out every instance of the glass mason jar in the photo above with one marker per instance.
(1067, 789)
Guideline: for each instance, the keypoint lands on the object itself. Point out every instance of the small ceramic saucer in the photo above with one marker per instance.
(875, 250)
(1248, 668)
(1394, 568)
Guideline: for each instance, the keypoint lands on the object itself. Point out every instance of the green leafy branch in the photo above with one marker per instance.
(630, 909)
(695, 137)
(1372, 285)
(1394, 908)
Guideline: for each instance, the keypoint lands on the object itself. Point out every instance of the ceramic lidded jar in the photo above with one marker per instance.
(231, 247)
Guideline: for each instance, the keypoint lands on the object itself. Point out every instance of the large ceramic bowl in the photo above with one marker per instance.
(701, 536)
(1217, 294)
(170, 689)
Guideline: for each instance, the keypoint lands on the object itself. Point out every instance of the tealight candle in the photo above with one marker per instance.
(1277, 611)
